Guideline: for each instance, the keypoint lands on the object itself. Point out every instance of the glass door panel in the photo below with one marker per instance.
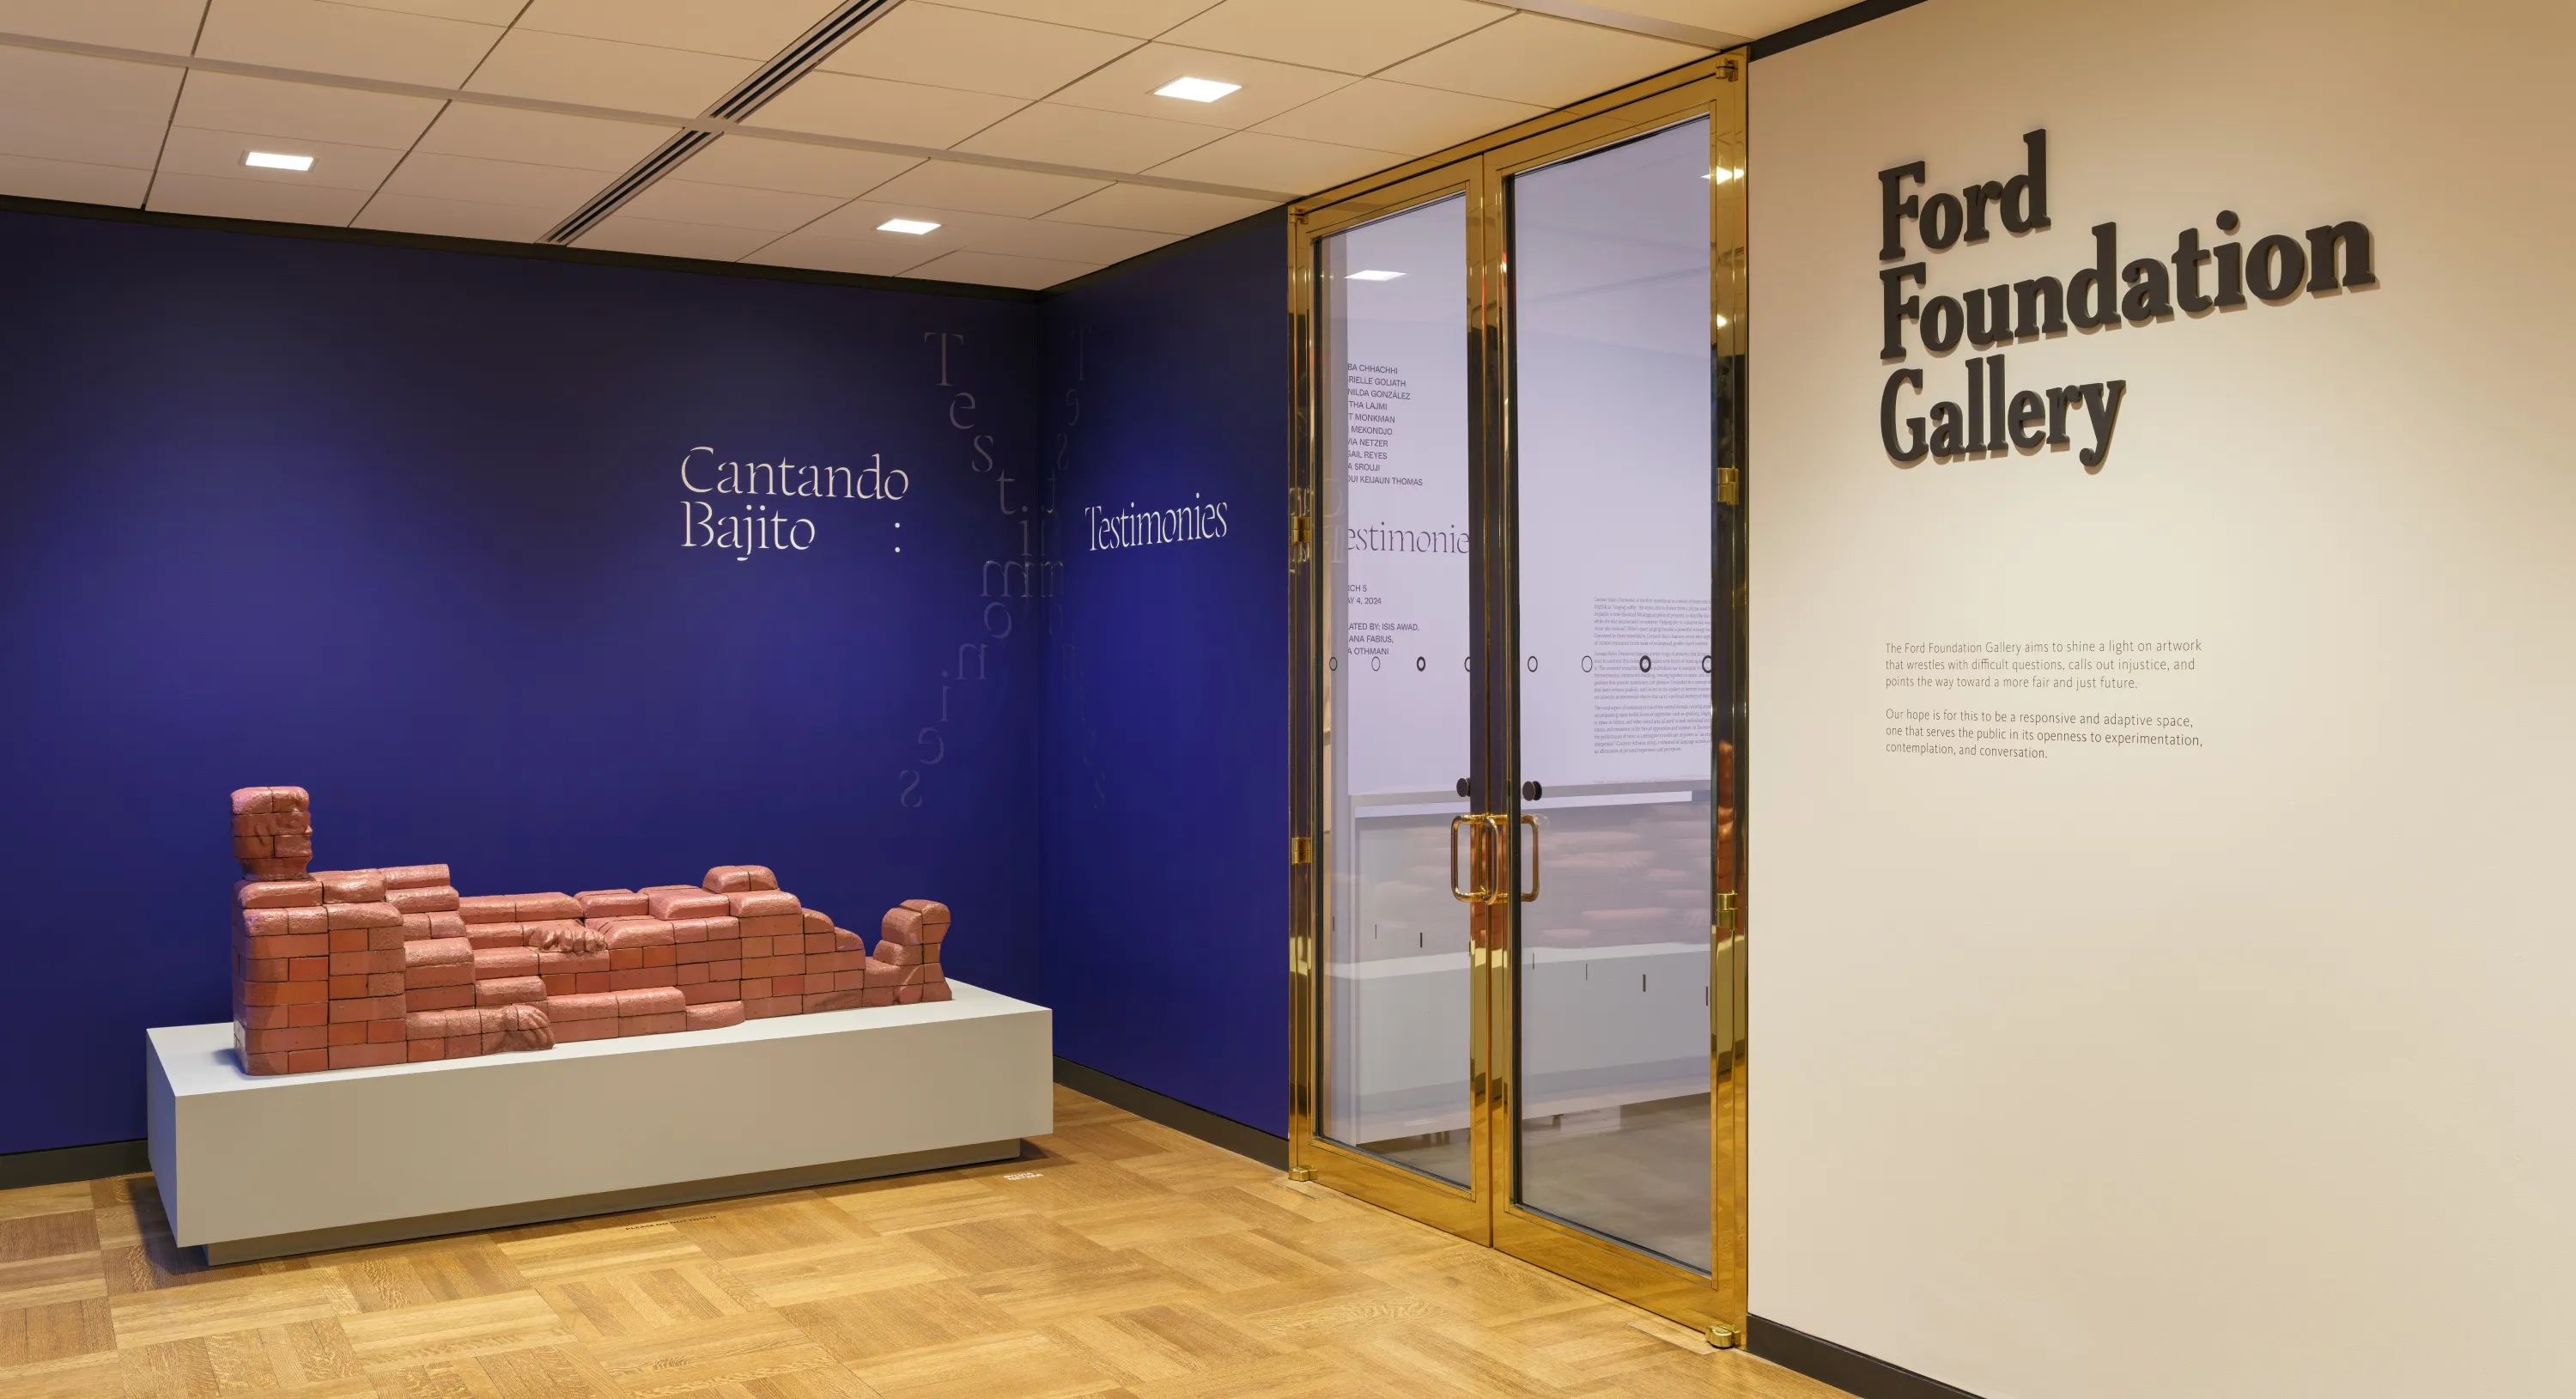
(1392, 402)
(1618, 660)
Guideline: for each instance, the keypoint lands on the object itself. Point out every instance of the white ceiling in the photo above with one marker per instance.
(1027, 129)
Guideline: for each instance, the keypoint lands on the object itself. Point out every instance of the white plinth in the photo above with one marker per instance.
(255, 1167)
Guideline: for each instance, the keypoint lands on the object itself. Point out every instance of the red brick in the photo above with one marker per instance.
(424, 978)
(284, 993)
(661, 956)
(725, 969)
(689, 975)
(755, 947)
(906, 994)
(305, 1013)
(305, 1061)
(438, 952)
(649, 1001)
(438, 997)
(277, 893)
(497, 934)
(536, 907)
(665, 1024)
(593, 983)
(362, 963)
(349, 988)
(643, 978)
(509, 990)
(775, 925)
(843, 940)
(464, 1046)
(638, 932)
(424, 1051)
(706, 929)
(308, 945)
(610, 903)
(281, 1041)
(561, 983)
(351, 886)
(414, 876)
(711, 992)
(364, 915)
(767, 903)
(568, 1008)
(549, 963)
(385, 984)
(715, 1015)
(936, 991)
(349, 1032)
(817, 1002)
(265, 1064)
(387, 939)
(367, 1008)
(850, 981)
(755, 988)
(495, 962)
(820, 944)
(265, 969)
(877, 996)
(787, 985)
(261, 1017)
(365, 1056)
(669, 904)
(738, 879)
(284, 922)
(781, 1005)
(575, 1031)
(488, 908)
(438, 899)
(384, 1032)
(446, 925)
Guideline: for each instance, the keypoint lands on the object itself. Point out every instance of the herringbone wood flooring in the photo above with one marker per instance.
(1118, 1258)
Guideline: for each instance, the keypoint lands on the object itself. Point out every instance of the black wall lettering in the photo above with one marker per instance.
(2187, 260)
(2348, 238)
(1942, 322)
(1913, 448)
(1893, 211)
(2277, 267)
(2025, 204)
(2026, 414)
(1989, 316)
(1941, 222)
(1979, 197)
(2043, 307)
(1891, 281)
(2148, 296)
(2091, 295)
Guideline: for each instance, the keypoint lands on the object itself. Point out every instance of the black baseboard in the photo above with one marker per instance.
(1840, 1366)
(1173, 1113)
(69, 1163)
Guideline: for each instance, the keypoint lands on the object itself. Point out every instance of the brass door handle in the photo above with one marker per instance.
(1464, 896)
(1532, 823)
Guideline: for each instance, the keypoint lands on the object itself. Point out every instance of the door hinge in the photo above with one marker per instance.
(1726, 910)
(1301, 850)
(1728, 70)
(1730, 486)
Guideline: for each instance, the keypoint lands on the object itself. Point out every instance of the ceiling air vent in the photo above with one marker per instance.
(747, 97)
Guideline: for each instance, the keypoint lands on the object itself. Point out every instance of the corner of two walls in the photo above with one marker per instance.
(1164, 743)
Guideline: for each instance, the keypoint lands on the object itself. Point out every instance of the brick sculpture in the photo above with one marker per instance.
(345, 969)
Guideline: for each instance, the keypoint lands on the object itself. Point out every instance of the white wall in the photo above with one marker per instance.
(2238, 1070)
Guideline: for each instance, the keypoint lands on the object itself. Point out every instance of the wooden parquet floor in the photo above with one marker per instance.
(1117, 1258)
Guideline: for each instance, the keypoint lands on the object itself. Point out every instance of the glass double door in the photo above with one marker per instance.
(1518, 968)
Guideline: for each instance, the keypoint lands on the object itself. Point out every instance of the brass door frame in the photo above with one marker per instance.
(1486, 1212)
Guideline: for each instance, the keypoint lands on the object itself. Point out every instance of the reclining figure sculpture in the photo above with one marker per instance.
(345, 969)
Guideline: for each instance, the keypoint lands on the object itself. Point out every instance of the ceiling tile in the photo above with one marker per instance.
(542, 138)
(30, 178)
(1140, 19)
(1349, 36)
(1397, 117)
(56, 106)
(1276, 162)
(1268, 88)
(554, 190)
(455, 218)
(223, 102)
(1542, 61)
(755, 162)
(499, 12)
(253, 199)
(925, 43)
(1094, 140)
(218, 155)
(947, 184)
(965, 230)
(626, 233)
(1000, 270)
(1176, 211)
(1751, 18)
(753, 29)
(873, 109)
(603, 73)
(814, 250)
(164, 26)
(345, 39)
(730, 206)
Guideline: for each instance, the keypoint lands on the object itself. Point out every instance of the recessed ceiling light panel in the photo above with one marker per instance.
(1196, 89)
(1374, 275)
(272, 160)
(914, 226)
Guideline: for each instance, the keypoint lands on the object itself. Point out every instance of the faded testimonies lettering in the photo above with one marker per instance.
(1995, 412)
(728, 506)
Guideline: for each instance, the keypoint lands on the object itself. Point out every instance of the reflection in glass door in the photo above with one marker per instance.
(1516, 563)
(1393, 421)
(1614, 484)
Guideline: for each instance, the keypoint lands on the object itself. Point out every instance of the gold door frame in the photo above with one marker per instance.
(1486, 1211)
